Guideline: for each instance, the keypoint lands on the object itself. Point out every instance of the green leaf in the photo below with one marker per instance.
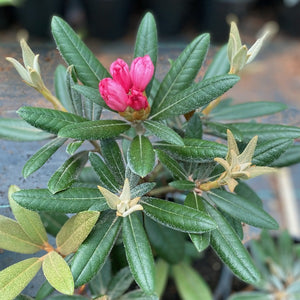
(220, 64)
(248, 110)
(30, 221)
(268, 151)
(99, 283)
(44, 291)
(177, 216)
(88, 68)
(75, 231)
(168, 243)
(107, 179)
(194, 127)
(92, 111)
(228, 246)
(194, 150)
(142, 189)
(16, 277)
(94, 251)
(184, 185)
(220, 130)
(50, 120)
(242, 209)
(72, 200)
(189, 283)
(14, 238)
(23, 297)
(163, 132)
(266, 132)
(114, 159)
(138, 253)
(251, 296)
(244, 190)
(288, 158)
(67, 297)
(19, 130)
(94, 130)
(182, 72)
(138, 295)
(38, 159)
(72, 147)
(58, 273)
(141, 151)
(68, 172)
(53, 221)
(172, 165)
(161, 276)
(194, 97)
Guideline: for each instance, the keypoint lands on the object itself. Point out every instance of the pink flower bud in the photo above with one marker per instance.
(137, 100)
(141, 72)
(119, 71)
(113, 94)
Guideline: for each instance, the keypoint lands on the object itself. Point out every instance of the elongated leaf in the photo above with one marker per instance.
(163, 132)
(194, 97)
(142, 189)
(184, 185)
(72, 200)
(138, 295)
(50, 120)
(172, 165)
(267, 152)
(58, 273)
(177, 216)
(183, 71)
(161, 276)
(39, 158)
(220, 130)
(194, 127)
(288, 158)
(243, 209)
(220, 64)
(251, 296)
(141, 157)
(93, 253)
(14, 238)
(88, 68)
(67, 173)
(189, 283)
(94, 130)
(30, 221)
(72, 147)
(248, 110)
(194, 150)
(113, 157)
(19, 130)
(266, 131)
(75, 231)
(44, 291)
(92, 94)
(107, 179)
(168, 243)
(138, 253)
(92, 111)
(53, 221)
(228, 246)
(245, 191)
(66, 297)
(16, 277)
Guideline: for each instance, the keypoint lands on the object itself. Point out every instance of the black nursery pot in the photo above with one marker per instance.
(35, 15)
(289, 19)
(107, 19)
(6, 16)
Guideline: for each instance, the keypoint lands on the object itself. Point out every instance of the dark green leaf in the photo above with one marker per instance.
(248, 110)
(194, 97)
(107, 180)
(72, 200)
(172, 165)
(114, 159)
(132, 177)
(235, 224)
(75, 96)
(44, 291)
(183, 71)
(141, 157)
(266, 131)
(177, 216)
(138, 253)
(184, 185)
(88, 175)
(194, 127)
(92, 111)
(94, 130)
(288, 158)
(244, 190)
(72, 147)
(168, 243)
(99, 283)
(94, 251)
(242, 209)
(251, 296)
(268, 151)
(195, 150)
(53, 221)
(220, 130)
(228, 246)
(142, 189)
(68, 172)
(161, 276)
(50, 120)
(138, 295)
(88, 68)
(39, 158)
(220, 64)
(23, 297)
(19, 130)
(163, 132)
(67, 297)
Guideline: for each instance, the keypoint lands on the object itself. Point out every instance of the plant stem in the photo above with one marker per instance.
(162, 190)
(48, 95)
(211, 106)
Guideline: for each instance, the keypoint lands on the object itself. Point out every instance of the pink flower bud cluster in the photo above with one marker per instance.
(126, 87)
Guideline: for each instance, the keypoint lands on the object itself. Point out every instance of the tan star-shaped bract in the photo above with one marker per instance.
(238, 165)
(123, 204)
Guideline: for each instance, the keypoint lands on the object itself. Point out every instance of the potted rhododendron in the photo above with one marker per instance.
(147, 188)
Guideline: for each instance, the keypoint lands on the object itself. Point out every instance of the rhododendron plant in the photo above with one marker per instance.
(159, 179)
